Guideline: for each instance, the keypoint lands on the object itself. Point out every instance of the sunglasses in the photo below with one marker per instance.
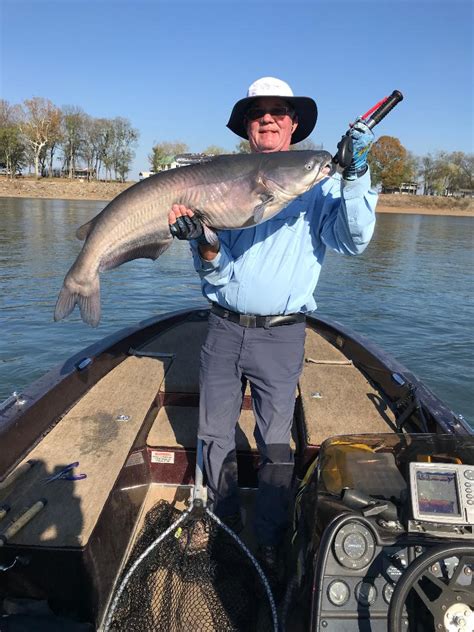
(277, 112)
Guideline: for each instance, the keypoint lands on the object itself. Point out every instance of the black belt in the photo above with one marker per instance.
(250, 320)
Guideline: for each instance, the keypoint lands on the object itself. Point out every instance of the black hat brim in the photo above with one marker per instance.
(305, 108)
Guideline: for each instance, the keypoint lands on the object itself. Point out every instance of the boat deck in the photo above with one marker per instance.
(158, 385)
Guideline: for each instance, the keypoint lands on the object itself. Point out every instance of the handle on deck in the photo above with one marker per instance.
(22, 521)
(199, 494)
(20, 470)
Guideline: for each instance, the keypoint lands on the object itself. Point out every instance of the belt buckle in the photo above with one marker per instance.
(247, 320)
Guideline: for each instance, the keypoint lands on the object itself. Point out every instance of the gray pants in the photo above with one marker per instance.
(271, 360)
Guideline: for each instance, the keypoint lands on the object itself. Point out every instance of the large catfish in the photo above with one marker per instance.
(225, 192)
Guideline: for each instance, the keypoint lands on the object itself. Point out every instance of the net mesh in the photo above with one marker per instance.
(196, 578)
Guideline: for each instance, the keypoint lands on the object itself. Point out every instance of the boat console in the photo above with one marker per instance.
(387, 522)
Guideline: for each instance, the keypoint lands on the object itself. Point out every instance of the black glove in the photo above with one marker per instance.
(188, 228)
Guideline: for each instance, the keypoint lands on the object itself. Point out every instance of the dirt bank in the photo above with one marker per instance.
(62, 189)
(82, 190)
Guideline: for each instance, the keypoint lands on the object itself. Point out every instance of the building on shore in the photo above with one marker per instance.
(79, 173)
(405, 188)
(145, 174)
(173, 162)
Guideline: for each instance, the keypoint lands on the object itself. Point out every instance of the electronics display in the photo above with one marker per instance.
(442, 492)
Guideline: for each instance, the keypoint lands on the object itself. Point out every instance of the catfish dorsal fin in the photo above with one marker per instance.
(84, 231)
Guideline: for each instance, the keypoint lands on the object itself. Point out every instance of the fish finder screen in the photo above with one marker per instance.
(437, 492)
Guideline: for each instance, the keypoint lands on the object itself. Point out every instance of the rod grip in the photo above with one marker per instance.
(22, 521)
(20, 470)
(386, 107)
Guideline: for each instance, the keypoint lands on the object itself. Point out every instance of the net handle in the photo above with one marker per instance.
(199, 493)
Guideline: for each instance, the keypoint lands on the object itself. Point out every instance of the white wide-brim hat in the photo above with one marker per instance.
(305, 108)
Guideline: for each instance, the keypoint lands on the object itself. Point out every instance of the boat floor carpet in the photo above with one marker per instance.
(336, 397)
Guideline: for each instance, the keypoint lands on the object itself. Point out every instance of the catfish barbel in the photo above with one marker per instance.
(225, 192)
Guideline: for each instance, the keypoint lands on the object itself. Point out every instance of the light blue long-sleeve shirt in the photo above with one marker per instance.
(273, 268)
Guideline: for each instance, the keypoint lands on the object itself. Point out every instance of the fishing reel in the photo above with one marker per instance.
(343, 157)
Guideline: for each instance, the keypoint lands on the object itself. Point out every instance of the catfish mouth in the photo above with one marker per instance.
(326, 169)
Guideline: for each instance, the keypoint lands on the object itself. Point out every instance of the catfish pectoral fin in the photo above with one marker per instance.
(259, 210)
(139, 251)
(83, 231)
(88, 299)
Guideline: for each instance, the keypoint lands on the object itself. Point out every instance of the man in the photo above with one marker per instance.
(269, 270)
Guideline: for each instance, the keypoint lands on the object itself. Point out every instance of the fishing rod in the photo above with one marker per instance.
(371, 118)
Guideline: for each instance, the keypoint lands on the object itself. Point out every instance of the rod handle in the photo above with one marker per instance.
(374, 116)
(22, 521)
(20, 470)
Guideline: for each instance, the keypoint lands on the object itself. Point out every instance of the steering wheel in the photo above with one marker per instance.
(445, 589)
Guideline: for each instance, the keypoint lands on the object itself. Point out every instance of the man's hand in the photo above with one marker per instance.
(185, 225)
(362, 139)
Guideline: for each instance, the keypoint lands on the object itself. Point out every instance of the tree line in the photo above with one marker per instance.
(163, 153)
(441, 173)
(37, 132)
(391, 165)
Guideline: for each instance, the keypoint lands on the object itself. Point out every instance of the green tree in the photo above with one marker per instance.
(388, 162)
(462, 171)
(307, 144)
(214, 150)
(12, 144)
(243, 147)
(73, 131)
(164, 150)
(12, 149)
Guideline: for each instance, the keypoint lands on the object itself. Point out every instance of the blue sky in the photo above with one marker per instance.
(175, 68)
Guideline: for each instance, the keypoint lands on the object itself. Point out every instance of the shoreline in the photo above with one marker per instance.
(106, 191)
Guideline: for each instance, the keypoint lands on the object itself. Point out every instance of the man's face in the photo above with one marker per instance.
(270, 132)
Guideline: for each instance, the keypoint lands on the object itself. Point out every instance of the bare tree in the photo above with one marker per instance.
(90, 145)
(40, 122)
(125, 137)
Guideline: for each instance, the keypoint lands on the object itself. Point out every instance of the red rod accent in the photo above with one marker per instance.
(376, 106)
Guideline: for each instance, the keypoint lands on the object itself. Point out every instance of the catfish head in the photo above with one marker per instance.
(285, 175)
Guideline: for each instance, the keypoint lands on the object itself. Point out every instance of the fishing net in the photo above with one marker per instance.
(189, 571)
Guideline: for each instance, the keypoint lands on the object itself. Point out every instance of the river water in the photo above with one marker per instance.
(411, 292)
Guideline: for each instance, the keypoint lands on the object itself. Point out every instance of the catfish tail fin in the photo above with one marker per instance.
(87, 297)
